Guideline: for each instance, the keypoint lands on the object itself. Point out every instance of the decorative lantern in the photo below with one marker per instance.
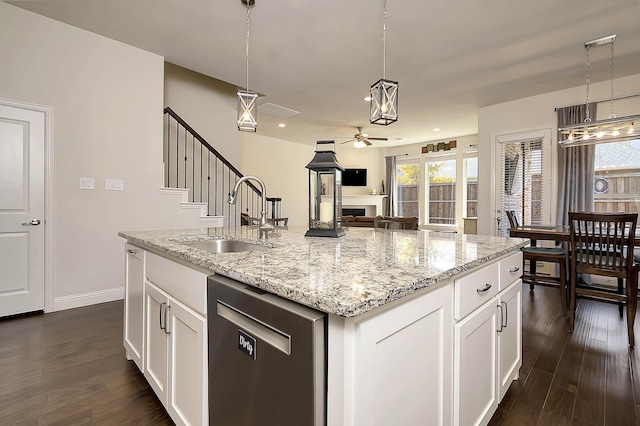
(325, 193)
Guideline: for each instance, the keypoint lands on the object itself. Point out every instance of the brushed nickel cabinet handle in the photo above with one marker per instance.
(506, 314)
(514, 270)
(162, 309)
(132, 251)
(484, 289)
(501, 318)
(166, 313)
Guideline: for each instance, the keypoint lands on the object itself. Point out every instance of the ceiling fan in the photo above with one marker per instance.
(361, 139)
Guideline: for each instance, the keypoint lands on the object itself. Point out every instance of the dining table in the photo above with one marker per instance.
(560, 233)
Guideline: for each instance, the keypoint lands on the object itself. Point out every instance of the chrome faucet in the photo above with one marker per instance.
(264, 225)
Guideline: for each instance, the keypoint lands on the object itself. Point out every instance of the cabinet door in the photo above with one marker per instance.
(509, 336)
(156, 340)
(403, 363)
(133, 332)
(187, 399)
(474, 369)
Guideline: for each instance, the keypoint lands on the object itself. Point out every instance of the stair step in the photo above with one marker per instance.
(183, 192)
(213, 221)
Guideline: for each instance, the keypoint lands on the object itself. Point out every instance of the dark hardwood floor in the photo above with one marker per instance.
(69, 368)
(589, 377)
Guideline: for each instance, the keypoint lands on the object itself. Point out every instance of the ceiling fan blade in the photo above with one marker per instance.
(378, 139)
(367, 142)
(351, 140)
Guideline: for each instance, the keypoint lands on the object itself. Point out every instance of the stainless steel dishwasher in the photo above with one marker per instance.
(267, 358)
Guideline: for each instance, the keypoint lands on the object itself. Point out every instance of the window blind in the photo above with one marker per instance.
(521, 183)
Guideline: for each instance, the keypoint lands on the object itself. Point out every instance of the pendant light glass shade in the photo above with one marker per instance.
(247, 110)
(383, 108)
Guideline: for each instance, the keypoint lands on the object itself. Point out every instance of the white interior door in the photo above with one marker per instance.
(22, 136)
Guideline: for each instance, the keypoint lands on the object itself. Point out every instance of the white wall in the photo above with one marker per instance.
(537, 113)
(369, 158)
(107, 99)
(281, 166)
(207, 105)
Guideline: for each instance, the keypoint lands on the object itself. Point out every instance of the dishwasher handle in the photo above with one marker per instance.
(265, 332)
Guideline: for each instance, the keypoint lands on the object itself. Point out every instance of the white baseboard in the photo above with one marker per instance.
(86, 299)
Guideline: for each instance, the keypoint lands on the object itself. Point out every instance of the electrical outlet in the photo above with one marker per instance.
(86, 183)
(114, 184)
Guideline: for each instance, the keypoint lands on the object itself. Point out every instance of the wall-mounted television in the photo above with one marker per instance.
(354, 177)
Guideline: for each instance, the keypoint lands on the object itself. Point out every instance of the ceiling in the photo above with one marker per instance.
(321, 57)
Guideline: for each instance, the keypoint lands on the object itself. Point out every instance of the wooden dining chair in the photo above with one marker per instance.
(602, 244)
(557, 255)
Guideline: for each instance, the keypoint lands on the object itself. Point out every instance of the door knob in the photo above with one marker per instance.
(33, 222)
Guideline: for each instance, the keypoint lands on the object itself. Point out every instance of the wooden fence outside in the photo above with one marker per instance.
(441, 202)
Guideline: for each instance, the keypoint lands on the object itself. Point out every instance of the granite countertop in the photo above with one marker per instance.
(346, 276)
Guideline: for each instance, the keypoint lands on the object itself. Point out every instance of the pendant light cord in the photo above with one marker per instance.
(588, 118)
(612, 115)
(384, 40)
(247, 51)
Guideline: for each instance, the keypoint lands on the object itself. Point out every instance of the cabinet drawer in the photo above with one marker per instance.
(510, 269)
(472, 290)
(181, 282)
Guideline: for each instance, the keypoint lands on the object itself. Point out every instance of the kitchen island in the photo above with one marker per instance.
(412, 315)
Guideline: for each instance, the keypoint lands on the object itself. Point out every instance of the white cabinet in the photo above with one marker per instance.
(393, 366)
(156, 342)
(133, 330)
(488, 339)
(509, 336)
(176, 340)
(475, 399)
(187, 400)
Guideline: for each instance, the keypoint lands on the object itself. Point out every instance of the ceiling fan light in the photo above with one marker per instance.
(359, 144)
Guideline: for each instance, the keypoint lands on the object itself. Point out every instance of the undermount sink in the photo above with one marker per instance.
(225, 246)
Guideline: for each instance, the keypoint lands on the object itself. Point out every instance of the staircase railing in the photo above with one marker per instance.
(192, 163)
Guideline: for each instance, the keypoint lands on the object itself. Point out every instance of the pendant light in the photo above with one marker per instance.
(383, 107)
(611, 129)
(247, 108)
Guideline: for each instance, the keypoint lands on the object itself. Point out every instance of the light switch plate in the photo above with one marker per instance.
(114, 184)
(86, 183)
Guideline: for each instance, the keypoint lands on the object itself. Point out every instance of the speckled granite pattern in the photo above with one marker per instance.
(345, 276)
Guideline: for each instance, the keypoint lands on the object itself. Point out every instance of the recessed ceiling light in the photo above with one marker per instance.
(367, 98)
(436, 129)
(282, 125)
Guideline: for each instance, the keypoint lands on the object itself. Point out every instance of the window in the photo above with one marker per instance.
(407, 177)
(617, 177)
(441, 190)
(471, 178)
